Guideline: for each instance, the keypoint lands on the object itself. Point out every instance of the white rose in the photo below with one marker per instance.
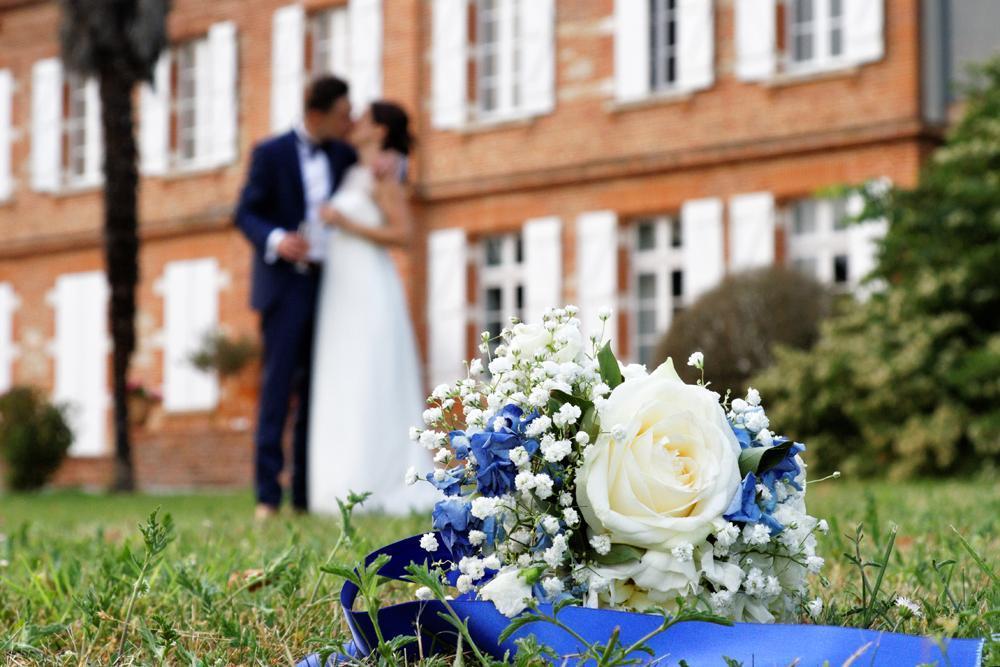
(508, 591)
(671, 475)
(655, 580)
(530, 338)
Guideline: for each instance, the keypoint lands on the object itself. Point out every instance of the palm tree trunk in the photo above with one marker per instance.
(121, 247)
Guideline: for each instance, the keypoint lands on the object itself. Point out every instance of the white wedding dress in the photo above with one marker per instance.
(366, 387)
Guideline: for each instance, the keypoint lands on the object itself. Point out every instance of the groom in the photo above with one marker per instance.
(291, 176)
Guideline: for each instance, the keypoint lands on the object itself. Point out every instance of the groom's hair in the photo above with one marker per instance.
(323, 91)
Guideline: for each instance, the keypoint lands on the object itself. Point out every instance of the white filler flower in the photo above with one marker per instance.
(428, 542)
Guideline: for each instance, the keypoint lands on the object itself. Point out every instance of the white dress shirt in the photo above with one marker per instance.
(316, 182)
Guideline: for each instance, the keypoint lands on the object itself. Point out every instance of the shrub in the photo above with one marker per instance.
(908, 383)
(224, 355)
(738, 323)
(34, 438)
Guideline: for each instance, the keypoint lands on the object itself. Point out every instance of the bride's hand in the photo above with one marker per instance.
(331, 216)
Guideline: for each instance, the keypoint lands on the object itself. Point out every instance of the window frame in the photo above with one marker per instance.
(664, 24)
(509, 276)
(827, 241)
(322, 53)
(184, 124)
(822, 26)
(505, 57)
(663, 260)
(73, 132)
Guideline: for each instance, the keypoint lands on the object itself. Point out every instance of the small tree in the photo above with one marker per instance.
(34, 438)
(909, 382)
(738, 323)
(118, 42)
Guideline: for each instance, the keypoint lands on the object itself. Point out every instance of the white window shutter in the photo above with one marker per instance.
(696, 44)
(340, 39)
(46, 124)
(204, 100)
(6, 132)
(447, 304)
(449, 63)
(225, 105)
(632, 49)
(288, 49)
(81, 358)
(596, 267)
(543, 266)
(155, 117)
(538, 54)
(756, 43)
(751, 231)
(864, 38)
(8, 304)
(93, 154)
(190, 311)
(863, 239)
(701, 229)
(365, 28)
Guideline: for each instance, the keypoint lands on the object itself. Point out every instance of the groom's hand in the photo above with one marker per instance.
(293, 248)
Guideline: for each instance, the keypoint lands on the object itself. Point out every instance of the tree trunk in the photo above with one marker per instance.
(121, 248)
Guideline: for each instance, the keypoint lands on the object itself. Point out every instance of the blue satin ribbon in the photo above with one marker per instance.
(697, 643)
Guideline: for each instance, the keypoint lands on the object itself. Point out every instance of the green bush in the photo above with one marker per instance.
(908, 383)
(34, 438)
(737, 325)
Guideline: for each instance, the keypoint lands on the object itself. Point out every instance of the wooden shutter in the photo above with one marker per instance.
(449, 66)
(8, 304)
(751, 231)
(154, 137)
(287, 66)
(696, 44)
(6, 132)
(447, 304)
(756, 56)
(93, 151)
(224, 121)
(701, 231)
(543, 266)
(46, 124)
(365, 44)
(864, 38)
(538, 60)
(632, 49)
(190, 312)
(596, 266)
(81, 358)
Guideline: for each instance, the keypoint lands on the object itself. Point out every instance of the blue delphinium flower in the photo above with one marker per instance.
(453, 520)
(451, 484)
(743, 436)
(495, 472)
(743, 507)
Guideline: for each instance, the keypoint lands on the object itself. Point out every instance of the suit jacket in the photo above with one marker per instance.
(274, 197)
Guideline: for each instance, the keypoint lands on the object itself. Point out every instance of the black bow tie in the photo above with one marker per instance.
(312, 147)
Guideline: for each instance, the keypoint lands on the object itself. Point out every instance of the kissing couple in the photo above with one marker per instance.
(322, 206)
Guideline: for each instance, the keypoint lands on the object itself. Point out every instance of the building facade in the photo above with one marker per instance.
(622, 154)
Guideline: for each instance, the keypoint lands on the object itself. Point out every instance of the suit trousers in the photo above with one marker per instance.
(287, 328)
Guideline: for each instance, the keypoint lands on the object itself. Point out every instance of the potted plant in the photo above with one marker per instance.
(141, 400)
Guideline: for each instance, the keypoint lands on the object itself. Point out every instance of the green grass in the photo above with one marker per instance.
(65, 584)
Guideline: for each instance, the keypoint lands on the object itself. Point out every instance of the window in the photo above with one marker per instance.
(815, 33)
(818, 240)
(327, 43)
(501, 280)
(657, 282)
(75, 129)
(663, 44)
(184, 111)
(496, 57)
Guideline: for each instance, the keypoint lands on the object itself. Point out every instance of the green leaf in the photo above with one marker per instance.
(759, 460)
(590, 424)
(516, 624)
(620, 553)
(611, 372)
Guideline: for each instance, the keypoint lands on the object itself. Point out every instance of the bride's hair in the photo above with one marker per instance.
(397, 126)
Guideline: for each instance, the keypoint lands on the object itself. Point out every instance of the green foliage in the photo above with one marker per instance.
(69, 564)
(908, 382)
(738, 323)
(34, 438)
(224, 355)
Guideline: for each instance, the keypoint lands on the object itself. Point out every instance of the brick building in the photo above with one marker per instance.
(609, 153)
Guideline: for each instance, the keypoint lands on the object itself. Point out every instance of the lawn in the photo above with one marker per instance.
(228, 591)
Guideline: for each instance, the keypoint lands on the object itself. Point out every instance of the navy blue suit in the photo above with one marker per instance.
(274, 197)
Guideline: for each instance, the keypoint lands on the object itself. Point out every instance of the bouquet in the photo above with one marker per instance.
(567, 475)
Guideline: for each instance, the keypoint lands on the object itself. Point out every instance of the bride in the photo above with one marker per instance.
(366, 387)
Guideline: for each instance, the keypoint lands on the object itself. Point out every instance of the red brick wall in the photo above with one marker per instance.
(789, 138)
